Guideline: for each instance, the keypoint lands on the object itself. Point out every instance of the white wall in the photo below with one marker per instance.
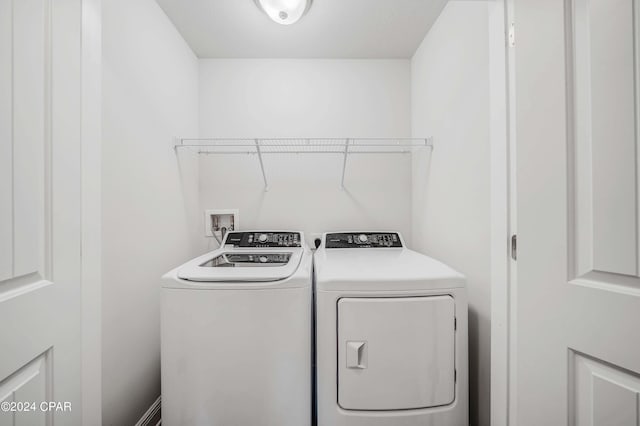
(312, 98)
(451, 189)
(150, 80)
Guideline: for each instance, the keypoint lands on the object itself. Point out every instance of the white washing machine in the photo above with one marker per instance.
(391, 335)
(237, 334)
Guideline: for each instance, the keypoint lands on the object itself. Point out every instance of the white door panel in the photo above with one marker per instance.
(6, 119)
(603, 395)
(29, 134)
(30, 383)
(613, 136)
(578, 292)
(40, 214)
(603, 77)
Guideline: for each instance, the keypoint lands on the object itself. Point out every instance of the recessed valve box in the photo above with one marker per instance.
(218, 222)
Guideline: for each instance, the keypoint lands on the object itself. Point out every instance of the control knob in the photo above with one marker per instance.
(362, 238)
(263, 259)
(263, 238)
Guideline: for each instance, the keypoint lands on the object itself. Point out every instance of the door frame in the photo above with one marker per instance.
(503, 203)
(502, 152)
(91, 230)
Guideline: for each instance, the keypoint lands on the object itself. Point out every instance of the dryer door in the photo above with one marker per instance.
(396, 353)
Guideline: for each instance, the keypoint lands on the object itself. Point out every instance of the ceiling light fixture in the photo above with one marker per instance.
(284, 12)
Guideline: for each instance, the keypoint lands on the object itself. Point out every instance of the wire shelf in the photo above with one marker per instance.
(304, 145)
(341, 146)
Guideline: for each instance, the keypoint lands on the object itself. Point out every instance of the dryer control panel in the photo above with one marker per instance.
(363, 240)
(263, 239)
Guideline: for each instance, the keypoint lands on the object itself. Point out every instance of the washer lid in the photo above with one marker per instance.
(247, 260)
(242, 266)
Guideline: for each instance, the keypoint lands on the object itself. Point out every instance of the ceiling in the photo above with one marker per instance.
(331, 28)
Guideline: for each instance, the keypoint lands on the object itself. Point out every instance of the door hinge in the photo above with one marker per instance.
(455, 375)
(514, 247)
(512, 35)
(455, 323)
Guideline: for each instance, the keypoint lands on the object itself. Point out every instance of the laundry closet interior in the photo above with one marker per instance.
(361, 116)
(319, 212)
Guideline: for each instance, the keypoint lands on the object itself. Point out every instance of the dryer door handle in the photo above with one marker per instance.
(356, 354)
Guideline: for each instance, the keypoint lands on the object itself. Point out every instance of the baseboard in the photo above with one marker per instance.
(152, 415)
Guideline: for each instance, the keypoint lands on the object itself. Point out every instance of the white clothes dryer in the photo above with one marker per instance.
(237, 334)
(391, 334)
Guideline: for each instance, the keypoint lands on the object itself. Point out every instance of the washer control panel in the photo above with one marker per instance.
(363, 240)
(263, 239)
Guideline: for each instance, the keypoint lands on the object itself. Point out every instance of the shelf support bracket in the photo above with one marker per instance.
(264, 175)
(344, 162)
